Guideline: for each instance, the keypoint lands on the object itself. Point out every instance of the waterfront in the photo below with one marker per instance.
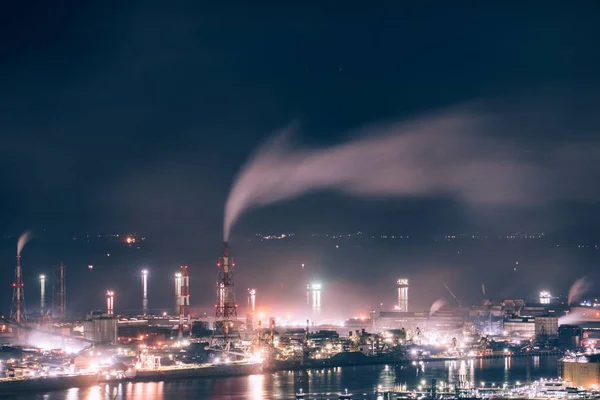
(361, 381)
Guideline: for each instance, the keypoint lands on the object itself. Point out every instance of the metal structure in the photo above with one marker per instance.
(145, 291)
(250, 316)
(252, 300)
(226, 308)
(17, 312)
(402, 286)
(42, 294)
(177, 291)
(59, 297)
(184, 297)
(110, 302)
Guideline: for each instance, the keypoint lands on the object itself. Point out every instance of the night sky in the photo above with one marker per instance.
(137, 117)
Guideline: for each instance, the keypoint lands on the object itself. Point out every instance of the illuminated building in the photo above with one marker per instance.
(546, 326)
(581, 371)
(545, 297)
(448, 320)
(100, 328)
(523, 327)
(402, 285)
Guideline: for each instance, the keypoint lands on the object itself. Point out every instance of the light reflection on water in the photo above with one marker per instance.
(256, 384)
(358, 380)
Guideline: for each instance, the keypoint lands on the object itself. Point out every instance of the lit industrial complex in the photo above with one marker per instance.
(238, 339)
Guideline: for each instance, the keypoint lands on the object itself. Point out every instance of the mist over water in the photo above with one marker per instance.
(460, 155)
(23, 239)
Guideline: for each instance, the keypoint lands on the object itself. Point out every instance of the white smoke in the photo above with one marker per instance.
(578, 289)
(25, 237)
(447, 155)
(573, 318)
(483, 289)
(436, 306)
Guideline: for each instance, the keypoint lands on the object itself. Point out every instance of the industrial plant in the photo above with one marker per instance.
(237, 339)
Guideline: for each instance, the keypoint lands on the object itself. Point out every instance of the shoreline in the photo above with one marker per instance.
(359, 359)
(50, 384)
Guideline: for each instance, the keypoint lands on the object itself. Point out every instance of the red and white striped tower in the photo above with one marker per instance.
(184, 299)
(18, 308)
(226, 308)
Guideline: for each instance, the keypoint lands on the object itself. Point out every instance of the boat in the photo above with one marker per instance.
(549, 388)
(300, 395)
(198, 371)
(345, 395)
(45, 383)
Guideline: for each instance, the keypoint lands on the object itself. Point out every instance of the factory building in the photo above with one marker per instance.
(546, 326)
(581, 371)
(523, 327)
(442, 320)
(101, 328)
(569, 337)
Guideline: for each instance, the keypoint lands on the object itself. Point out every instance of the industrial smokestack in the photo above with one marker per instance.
(59, 294)
(252, 299)
(402, 288)
(177, 292)
(42, 294)
(145, 291)
(226, 308)
(110, 298)
(18, 313)
(184, 308)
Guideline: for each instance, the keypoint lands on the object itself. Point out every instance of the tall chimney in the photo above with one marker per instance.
(145, 291)
(184, 308)
(110, 298)
(177, 292)
(42, 294)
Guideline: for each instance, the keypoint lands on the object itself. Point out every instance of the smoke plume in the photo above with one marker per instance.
(578, 289)
(457, 155)
(25, 237)
(435, 307)
(483, 289)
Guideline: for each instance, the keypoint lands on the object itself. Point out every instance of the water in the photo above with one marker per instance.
(361, 381)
